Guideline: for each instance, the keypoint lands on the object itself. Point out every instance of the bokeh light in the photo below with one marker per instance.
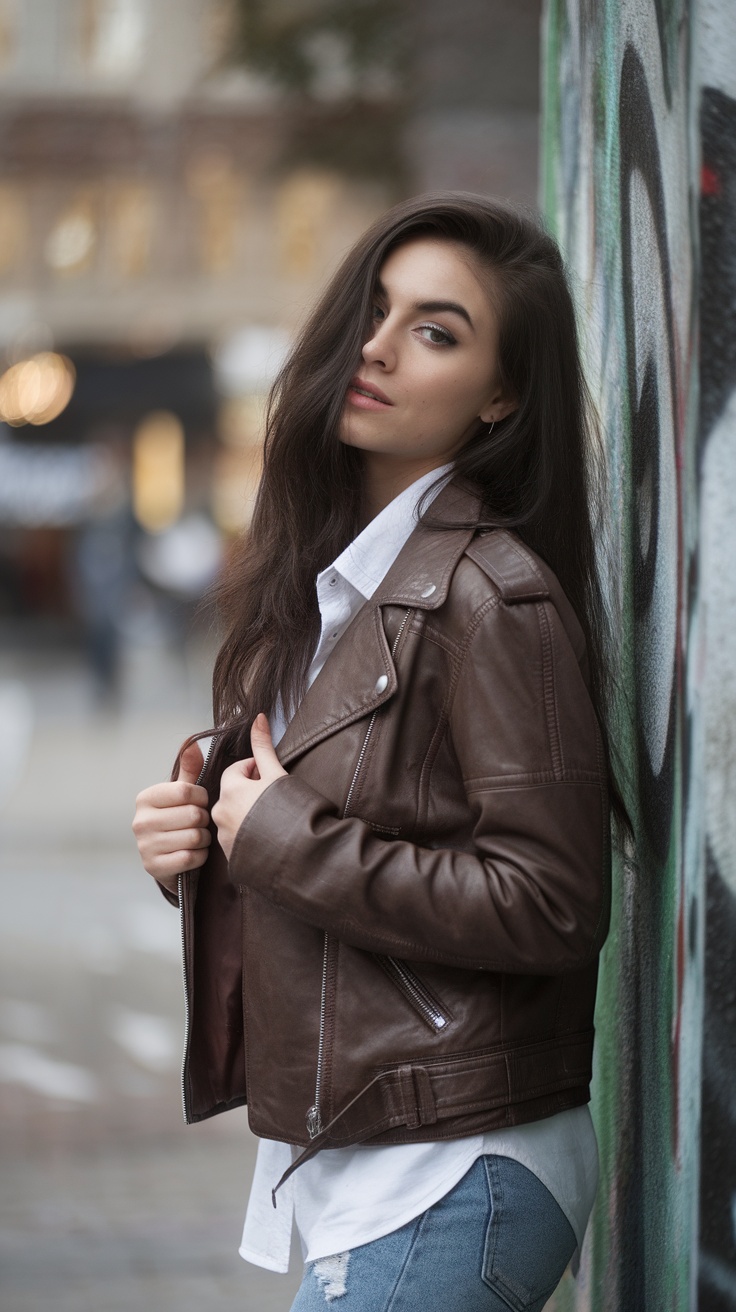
(158, 470)
(36, 390)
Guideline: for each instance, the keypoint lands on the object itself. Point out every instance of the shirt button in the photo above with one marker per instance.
(333, 581)
(429, 590)
(382, 683)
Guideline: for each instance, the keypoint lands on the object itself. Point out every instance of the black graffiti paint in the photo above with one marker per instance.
(718, 257)
(640, 156)
(652, 413)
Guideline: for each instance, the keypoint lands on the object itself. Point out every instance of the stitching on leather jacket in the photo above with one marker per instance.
(499, 781)
(548, 681)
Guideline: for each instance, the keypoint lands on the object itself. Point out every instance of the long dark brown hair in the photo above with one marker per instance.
(538, 471)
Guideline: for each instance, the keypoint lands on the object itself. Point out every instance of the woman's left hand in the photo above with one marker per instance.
(243, 782)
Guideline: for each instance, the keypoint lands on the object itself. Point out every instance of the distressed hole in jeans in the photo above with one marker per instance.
(332, 1274)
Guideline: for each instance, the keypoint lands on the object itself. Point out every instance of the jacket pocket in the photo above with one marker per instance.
(433, 1012)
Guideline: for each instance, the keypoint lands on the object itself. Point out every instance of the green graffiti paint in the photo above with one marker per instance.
(616, 183)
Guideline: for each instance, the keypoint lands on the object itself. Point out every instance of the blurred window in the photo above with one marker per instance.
(13, 226)
(8, 32)
(71, 243)
(235, 482)
(303, 206)
(220, 31)
(158, 470)
(217, 189)
(238, 461)
(131, 214)
(113, 36)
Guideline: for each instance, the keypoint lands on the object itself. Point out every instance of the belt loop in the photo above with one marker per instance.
(417, 1099)
(425, 1097)
(409, 1106)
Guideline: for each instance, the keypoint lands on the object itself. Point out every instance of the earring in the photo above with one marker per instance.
(492, 426)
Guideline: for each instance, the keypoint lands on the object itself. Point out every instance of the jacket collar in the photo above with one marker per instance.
(359, 676)
(367, 559)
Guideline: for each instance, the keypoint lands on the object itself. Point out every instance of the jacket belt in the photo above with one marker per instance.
(402, 1096)
(420, 1095)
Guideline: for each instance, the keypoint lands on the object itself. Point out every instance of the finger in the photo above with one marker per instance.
(177, 817)
(169, 865)
(173, 794)
(191, 764)
(151, 820)
(178, 840)
(263, 748)
(234, 773)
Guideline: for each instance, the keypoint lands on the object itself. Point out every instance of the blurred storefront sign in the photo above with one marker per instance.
(248, 360)
(52, 487)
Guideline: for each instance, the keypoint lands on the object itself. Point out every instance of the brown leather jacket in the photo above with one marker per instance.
(404, 946)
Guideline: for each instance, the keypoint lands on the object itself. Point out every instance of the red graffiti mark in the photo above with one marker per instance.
(710, 181)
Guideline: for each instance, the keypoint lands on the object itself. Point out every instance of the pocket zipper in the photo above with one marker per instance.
(415, 991)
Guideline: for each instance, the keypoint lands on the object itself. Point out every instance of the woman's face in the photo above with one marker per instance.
(429, 370)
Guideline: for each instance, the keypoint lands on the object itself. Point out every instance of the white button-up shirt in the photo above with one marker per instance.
(344, 1197)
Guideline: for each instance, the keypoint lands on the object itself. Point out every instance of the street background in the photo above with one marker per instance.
(177, 179)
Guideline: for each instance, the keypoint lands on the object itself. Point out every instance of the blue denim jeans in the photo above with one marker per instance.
(497, 1241)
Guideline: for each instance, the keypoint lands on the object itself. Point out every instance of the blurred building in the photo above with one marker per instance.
(177, 177)
(156, 252)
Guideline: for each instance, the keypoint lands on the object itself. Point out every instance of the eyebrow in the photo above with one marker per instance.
(434, 307)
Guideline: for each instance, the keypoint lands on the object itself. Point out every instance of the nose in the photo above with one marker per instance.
(379, 348)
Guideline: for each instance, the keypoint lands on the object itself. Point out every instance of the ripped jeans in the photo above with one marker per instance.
(497, 1242)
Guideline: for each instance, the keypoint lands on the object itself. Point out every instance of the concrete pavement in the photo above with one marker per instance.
(108, 1201)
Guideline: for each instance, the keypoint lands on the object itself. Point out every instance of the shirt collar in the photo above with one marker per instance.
(369, 557)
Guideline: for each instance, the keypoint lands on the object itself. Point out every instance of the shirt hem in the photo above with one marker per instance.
(262, 1260)
(380, 1230)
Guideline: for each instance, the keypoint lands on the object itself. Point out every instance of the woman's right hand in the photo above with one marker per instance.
(171, 823)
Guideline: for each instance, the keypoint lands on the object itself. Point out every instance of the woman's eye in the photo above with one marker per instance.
(436, 335)
(378, 313)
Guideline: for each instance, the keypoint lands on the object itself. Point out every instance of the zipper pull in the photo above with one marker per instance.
(314, 1122)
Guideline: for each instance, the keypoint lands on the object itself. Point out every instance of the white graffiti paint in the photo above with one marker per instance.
(718, 595)
(658, 633)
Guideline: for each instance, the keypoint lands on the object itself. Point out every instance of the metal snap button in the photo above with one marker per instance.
(429, 590)
(382, 683)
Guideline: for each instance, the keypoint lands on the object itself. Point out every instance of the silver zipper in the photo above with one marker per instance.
(415, 992)
(314, 1116)
(185, 980)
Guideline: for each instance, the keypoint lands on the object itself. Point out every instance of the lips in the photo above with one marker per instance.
(369, 391)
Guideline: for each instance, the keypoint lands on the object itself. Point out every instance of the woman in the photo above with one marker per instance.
(391, 926)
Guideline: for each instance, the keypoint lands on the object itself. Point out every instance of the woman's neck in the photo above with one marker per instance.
(384, 477)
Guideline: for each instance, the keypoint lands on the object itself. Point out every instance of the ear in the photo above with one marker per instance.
(498, 407)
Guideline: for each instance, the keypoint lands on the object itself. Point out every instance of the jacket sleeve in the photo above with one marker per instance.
(532, 894)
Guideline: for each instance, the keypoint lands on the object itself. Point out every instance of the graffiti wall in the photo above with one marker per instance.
(639, 184)
(717, 469)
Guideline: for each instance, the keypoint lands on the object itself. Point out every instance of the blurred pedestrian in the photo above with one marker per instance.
(102, 572)
(392, 923)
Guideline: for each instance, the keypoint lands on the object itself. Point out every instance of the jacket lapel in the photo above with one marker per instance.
(351, 682)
